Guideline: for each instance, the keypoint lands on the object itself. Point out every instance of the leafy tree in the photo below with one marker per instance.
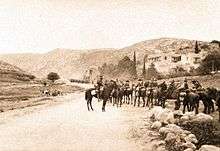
(53, 76)
(216, 42)
(211, 62)
(152, 72)
(125, 65)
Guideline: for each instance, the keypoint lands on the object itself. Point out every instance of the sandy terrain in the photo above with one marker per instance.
(69, 126)
(21, 95)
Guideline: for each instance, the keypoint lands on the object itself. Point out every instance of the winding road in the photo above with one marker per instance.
(69, 126)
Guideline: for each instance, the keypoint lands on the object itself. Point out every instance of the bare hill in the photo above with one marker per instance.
(10, 73)
(73, 63)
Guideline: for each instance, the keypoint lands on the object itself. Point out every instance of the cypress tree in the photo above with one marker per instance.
(134, 65)
(197, 50)
(144, 70)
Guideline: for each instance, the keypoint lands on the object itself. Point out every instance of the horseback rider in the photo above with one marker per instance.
(182, 93)
(196, 85)
(99, 86)
(162, 94)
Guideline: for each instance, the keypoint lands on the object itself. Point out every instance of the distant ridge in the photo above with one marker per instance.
(73, 63)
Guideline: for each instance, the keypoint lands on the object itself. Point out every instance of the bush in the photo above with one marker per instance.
(211, 61)
(53, 76)
(204, 132)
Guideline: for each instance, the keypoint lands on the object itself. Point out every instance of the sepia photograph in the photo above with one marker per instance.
(109, 75)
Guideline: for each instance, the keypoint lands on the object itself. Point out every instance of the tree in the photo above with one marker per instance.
(210, 63)
(216, 42)
(144, 70)
(134, 69)
(53, 76)
(152, 72)
(197, 50)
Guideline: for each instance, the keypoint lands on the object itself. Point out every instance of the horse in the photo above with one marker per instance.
(89, 94)
(190, 100)
(140, 92)
(106, 94)
(128, 95)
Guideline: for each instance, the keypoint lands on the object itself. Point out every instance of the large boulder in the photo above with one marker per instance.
(201, 117)
(156, 125)
(209, 148)
(189, 145)
(173, 128)
(191, 138)
(163, 115)
(189, 149)
(171, 138)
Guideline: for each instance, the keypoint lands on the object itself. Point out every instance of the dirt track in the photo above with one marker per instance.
(69, 126)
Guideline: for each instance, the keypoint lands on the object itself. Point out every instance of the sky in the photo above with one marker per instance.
(39, 26)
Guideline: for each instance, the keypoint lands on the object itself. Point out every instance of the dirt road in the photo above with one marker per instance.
(69, 126)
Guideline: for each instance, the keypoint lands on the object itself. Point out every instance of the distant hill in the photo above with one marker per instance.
(73, 63)
(10, 73)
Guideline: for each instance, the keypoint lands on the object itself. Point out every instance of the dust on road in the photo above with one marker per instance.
(70, 126)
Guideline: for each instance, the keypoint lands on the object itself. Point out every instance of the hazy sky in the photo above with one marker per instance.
(43, 25)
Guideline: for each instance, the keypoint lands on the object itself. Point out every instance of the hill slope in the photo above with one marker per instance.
(10, 73)
(73, 63)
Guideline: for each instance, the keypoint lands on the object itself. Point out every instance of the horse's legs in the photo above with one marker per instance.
(184, 108)
(135, 99)
(189, 106)
(139, 101)
(143, 101)
(197, 108)
(213, 107)
(120, 102)
(152, 102)
(88, 105)
(131, 98)
(90, 102)
(103, 105)
(163, 102)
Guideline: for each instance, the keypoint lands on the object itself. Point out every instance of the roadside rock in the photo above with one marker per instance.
(189, 145)
(156, 125)
(163, 115)
(209, 148)
(191, 138)
(201, 117)
(189, 149)
(170, 138)
(178, 113)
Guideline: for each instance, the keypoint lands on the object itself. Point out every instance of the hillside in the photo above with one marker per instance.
(73, 63)
(10, 73)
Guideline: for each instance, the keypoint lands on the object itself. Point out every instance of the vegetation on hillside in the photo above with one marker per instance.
(125, 66)
(210, 63)
(53, 76)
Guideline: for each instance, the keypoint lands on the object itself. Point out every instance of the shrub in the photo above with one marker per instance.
(53, 76)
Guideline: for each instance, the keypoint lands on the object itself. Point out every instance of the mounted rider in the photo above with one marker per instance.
(183, 91)
(99, 86)
(162, 94)
(197, 86)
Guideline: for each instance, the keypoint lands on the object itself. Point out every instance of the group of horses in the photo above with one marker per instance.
(150, 94)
